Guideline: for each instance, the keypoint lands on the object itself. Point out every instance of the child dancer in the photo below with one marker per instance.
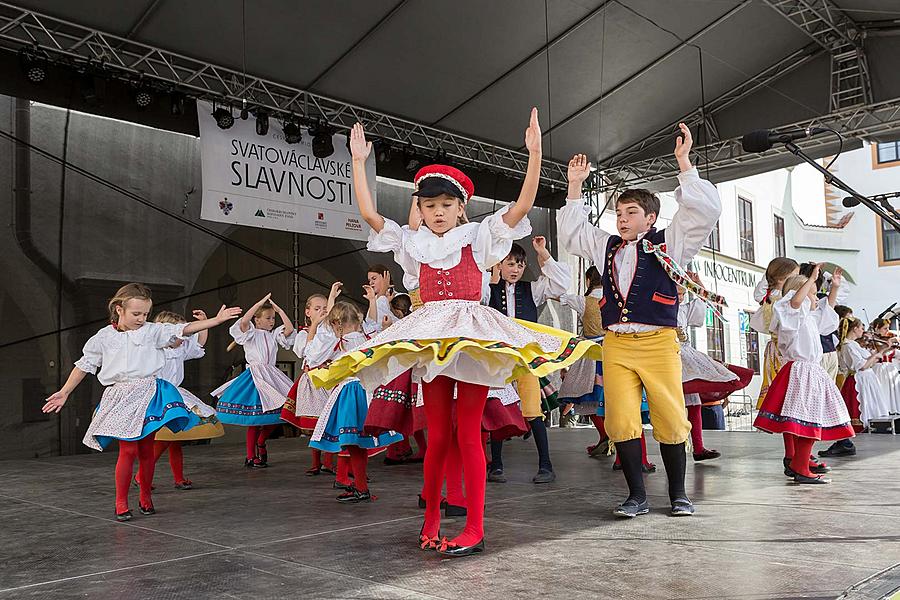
(453, 341)
(860, 389)
(173, 372)
(803, 400)
(304, 400)
(254, 398)
(844, 447)
(582, 386)
(640, 312)
(520, 300)
(340, 426)
(703, 379)
(127, 357)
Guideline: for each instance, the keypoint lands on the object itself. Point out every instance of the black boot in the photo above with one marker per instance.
(675, 459)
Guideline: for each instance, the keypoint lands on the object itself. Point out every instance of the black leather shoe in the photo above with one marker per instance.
(544, 476)
(328, 470)
(617, 466)
(452, 510)
(649, 468)
(248, 463)
(147, 511)
(313, 471)
(631, 509)
(423, 504)
(341, 486)
(707, 454)
(838, 449)
(122, 517)
(682, 507)
(450, 549)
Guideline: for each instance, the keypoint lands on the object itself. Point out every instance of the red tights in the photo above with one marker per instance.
(142, 451)
(257, 436)
(176, 459)
(320, 459)
(454, 476)
(802, 449)
(471, 398)
(343, 470)
(696, 418)
(359, 457)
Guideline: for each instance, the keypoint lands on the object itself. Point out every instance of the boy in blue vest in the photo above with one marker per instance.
(640, 313)
(522, 300)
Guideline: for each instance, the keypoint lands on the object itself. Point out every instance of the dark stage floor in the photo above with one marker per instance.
(277, 534)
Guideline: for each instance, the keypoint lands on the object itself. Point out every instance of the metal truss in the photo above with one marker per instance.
(122, 58)
(697, 118)
(831, 28)
(857, 122)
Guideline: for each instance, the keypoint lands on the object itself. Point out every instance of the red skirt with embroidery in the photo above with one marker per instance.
(288, 412)
(712, 391)
(503, 421)
(851, 399)
(391, 408)
(771, 420)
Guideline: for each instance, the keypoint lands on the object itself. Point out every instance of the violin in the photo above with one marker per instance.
(877, 342)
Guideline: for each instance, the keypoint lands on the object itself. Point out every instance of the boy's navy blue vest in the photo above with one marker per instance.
(525, 307)
(653, 297)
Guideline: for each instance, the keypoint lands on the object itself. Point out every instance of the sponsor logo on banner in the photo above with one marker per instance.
(262, 181)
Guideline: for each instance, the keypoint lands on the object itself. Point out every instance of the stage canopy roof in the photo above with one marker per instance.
(610, 78)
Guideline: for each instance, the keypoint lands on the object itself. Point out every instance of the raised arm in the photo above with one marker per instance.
(336, 288)
(224, 314)
(285, 320)
(803, 293)
(415, 216)
(359, 151)
(519, 210)
(203, 335)
(699, 205)
(836, 280)
(576, 234)
(555, 278)
(248, 316)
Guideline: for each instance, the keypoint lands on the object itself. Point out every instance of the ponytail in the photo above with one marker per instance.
(847, 325)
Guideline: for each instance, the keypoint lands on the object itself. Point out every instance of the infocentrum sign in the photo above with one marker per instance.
(726, 272)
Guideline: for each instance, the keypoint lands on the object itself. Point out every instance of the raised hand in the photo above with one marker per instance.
(336, 289)
(683, 144)
(579, 170)
(199, 315)
(369, 293)
(359, 147)
(533, 134)
(495, 274)
(55, 402)
(837, 278)
(226, 314)
(388, 286)
(539, 243)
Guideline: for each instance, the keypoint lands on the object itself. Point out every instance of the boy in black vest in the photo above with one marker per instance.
(640, 313)
(521, 300)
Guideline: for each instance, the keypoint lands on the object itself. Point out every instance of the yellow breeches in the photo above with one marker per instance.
(633, 362)
(529, 389)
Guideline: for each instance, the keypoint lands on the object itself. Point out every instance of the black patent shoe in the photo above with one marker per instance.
(631, 509)
(340, 486)
(838, 449)
(452, 510)
(147, 511)
(423, 504)
(448, 548)
(125, 516)
(248, 463)
(682, 507)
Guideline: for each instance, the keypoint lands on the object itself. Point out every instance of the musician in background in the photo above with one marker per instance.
(887, 370)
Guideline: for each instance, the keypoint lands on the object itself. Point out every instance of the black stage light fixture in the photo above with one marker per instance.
(176, 104)
(143, 97)
(292, 134)
(33, 65)
(382, 150)
(224, 118)
(322, 145)
(410, 158)
(244, 111)
(262, 122)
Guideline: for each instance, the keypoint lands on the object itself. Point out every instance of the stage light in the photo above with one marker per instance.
(143, 97)
(262, 122)
(34, 67)
(410, 159)
(224, 118)
(322, 145)
(93, 89)
(292, 134)
(176, 104)
(244, 112)
(382, 150)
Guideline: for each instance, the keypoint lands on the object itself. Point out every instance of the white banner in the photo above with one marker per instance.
(262, 181)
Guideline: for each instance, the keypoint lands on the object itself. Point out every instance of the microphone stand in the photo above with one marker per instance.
(892, 219)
